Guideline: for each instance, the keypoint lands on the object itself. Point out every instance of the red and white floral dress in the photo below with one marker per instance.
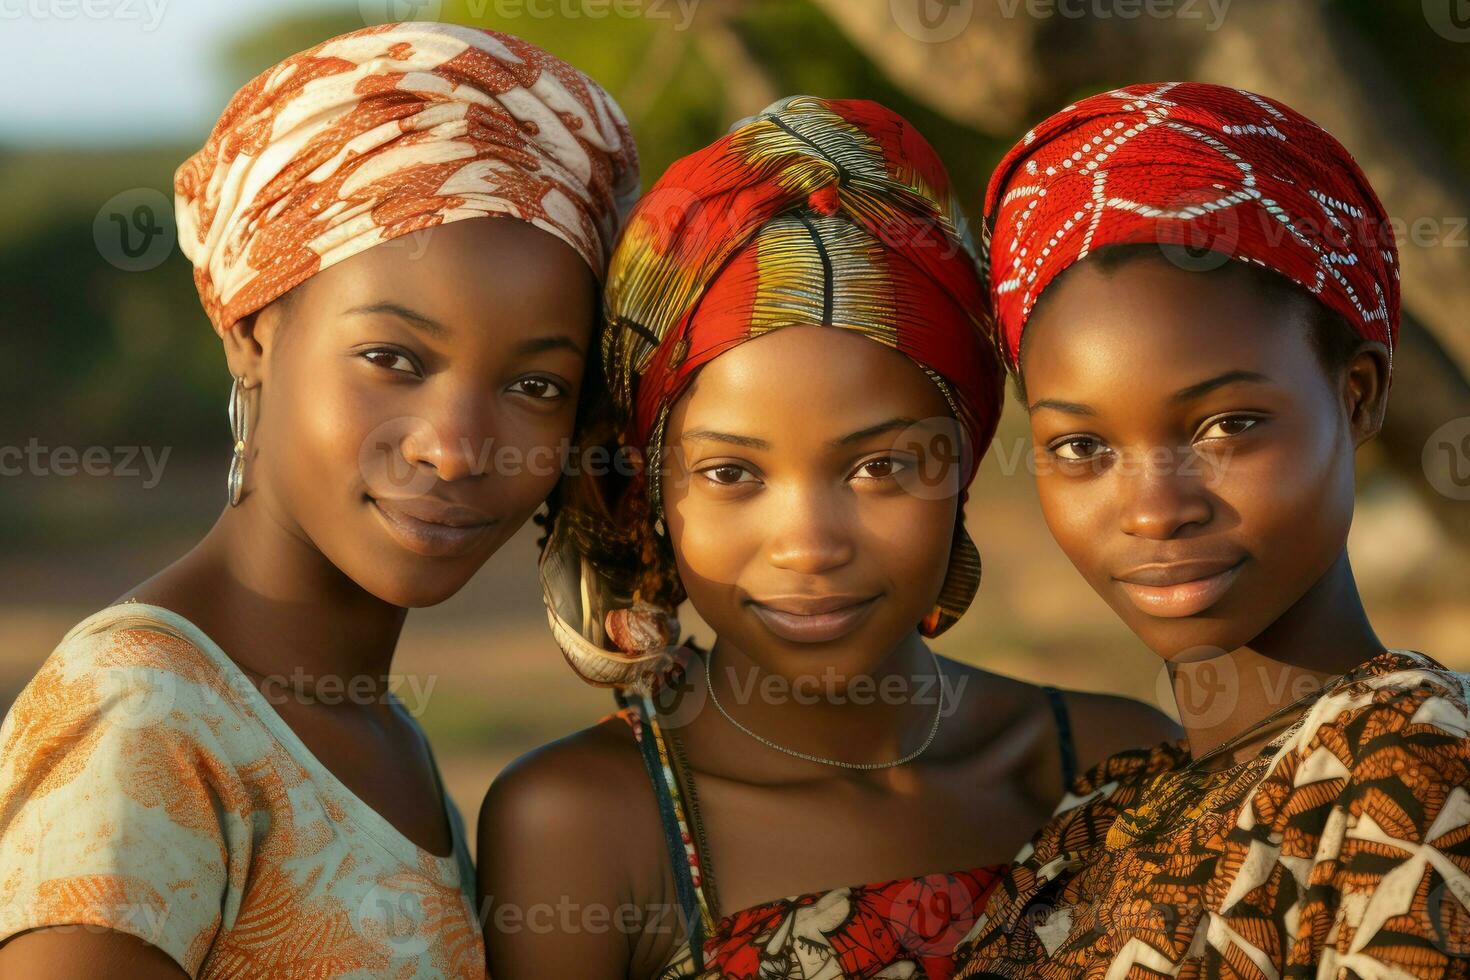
(906, 928)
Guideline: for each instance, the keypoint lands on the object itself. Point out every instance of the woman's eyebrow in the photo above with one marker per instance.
(1219, 381)
(561, 341)
(709, 435)
(427, 324)
(897, 422)
(1071, 408)
(1182, 395)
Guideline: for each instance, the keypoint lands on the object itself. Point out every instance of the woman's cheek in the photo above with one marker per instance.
(1076, 520)
(529, 458)
(285, 434)
(1294, 498)
(334, 422)
(713, 541)
(911, 534)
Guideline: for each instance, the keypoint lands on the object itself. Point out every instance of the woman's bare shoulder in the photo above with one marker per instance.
(1097, 725)
(572, 829)
(1105, 724)
(582, 805)
(599, 767)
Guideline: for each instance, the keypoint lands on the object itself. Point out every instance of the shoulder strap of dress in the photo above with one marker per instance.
(1064, 735)
(679, 835)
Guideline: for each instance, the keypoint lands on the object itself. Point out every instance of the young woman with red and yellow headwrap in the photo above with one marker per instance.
(801, 392)
(217, 766)
(1198, 291)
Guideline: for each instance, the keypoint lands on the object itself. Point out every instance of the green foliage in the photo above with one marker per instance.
(95, 354)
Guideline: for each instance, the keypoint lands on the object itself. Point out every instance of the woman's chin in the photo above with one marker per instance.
(403, 577)
(1193, 638)
(414, 588)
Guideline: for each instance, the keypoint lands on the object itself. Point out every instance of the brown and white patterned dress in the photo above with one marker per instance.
(1342, 851)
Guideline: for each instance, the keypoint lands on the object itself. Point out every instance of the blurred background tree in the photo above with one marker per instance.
(125, 355)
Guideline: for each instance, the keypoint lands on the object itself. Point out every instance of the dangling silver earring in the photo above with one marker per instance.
(240, 429)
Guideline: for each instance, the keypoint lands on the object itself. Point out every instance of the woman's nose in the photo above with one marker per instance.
(809, 533)
(1161, 495)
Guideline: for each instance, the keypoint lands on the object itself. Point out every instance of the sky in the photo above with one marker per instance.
(86, 72)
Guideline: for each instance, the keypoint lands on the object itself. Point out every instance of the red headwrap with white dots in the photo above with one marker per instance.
(1196, 167)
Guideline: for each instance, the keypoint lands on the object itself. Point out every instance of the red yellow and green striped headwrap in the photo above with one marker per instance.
(813, 212)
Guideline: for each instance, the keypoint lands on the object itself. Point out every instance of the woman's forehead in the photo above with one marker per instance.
(1149, 322)
(807, 380)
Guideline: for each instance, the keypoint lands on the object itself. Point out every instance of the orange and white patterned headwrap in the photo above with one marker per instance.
(389, 130)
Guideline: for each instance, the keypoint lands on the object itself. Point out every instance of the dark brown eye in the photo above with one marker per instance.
(390, 359)
(880, 469)
(1231, 426)
(727, 475)
(538, 387)
(1077, 448)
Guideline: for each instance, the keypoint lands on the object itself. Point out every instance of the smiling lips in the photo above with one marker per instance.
(1182, 588)
(432, 527)
(813, 619)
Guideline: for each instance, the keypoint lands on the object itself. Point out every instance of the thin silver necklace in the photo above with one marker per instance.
(933, 728)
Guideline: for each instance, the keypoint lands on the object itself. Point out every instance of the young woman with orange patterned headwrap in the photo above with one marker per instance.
(217, 766)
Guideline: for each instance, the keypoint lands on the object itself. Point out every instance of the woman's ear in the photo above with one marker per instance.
(243, 352)
(1365, 390)
(248, 342)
